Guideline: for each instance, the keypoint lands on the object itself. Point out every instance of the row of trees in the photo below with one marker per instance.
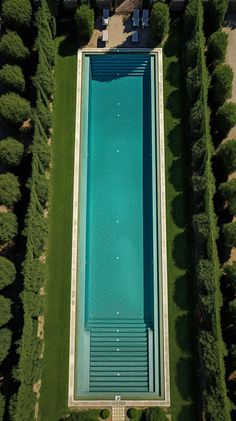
(215, 404)
(30, 349)
(14, 109)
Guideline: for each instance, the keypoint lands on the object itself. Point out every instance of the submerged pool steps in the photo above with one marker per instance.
(117, 66)
(119, 357)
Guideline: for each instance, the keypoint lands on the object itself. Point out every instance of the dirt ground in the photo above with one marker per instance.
(231, 60)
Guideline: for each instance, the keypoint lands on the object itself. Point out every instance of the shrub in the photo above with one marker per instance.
(217, 10)
(227, 155)
(201, 225)
(154, 414)
(221, 83)
(205, 276)
(5, 310)
(11, 152)
(12, 78)
(9, 189)
(17, 13)
(192, 51)
(8, 227)
(84, 19)
(132, 413)
(7, 272)
(196, 120)
(41, 188)
(229, 280)
(5, 341)
(217, 45)
(2, 406)
(104, 413)
(160, 21)
(12, 47)
(193, 83)
(190, 18)
(226, 118)
(229, 234)
(14, 108)
(198, 150)
(199, 183)
(228, 192)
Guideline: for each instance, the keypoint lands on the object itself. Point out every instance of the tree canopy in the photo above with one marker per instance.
(17, 13)
(221, 83)
(227, 155)
(84, 19)
(5, 310)
(5, 341)
(217, 45)
(14, 108)
(226, 117)
(11, 152)
(8, 226)
(9, 189)
(7, 272)
(12, 78)
(12, 47)
(160, 20)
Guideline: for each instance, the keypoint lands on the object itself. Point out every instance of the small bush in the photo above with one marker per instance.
(7, 272)
(216, 13)
(201, 225)
(229, 234)
(104, 414)
(8, 227)
(190, 18)
(217, 46)
(205, 276)
(9, 189)
(198, 150)
(192, 50)
(5, 341)
(160, 21)
(5, 310)
(199, 183)
(196, 120)
(221, 83)
(14, 108)
(132, 413)
(17, 13)
(227, 155)
(226, 118)
(84, 19)
(228, 192)
(193, 83)
(12, 78)
(12, 47)
(11, 152)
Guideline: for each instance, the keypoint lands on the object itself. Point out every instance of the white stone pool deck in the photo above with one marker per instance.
(118, 407)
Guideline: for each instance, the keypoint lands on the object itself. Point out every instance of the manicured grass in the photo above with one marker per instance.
(55, 362)
(180, 254)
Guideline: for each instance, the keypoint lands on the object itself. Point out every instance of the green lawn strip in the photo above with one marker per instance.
(55, 362)
(180, 259)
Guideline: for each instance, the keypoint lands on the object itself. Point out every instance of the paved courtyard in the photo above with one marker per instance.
(120, 34)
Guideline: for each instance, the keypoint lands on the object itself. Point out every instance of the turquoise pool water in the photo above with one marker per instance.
(116, 351)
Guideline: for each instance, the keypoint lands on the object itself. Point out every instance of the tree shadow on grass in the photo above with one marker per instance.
(174, 139)
(181, 248)
(69, 46)
(173, 103)
(182, 291)
(185, 370)
(178, 210)
(172, 42)
(187, 413)
(183, 329)
(173, 73)
(177, 176)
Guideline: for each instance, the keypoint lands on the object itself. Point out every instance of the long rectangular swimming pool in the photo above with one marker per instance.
(118, 344)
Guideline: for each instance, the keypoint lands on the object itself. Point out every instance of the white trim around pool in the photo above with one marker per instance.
(165, 401)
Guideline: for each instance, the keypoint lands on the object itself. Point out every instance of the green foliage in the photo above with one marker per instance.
(229, 280)
(229, 234)
(11, 152)
(192, 51)
(228, 192)
(154, 414)
(14, 108)
(227, 155)
(199, 183)
(2, 406)
(190, 18)
(5, 310)
(216, 10)
(5, 341)
(8, 227)
(226, 118)
(17, 13)
(9, 189)
(43, 77)
(221, 83)
(104, 414)
(205, 276)
(7, 272)
(193, 83)
(84, 19)
(89, 415)
(41, 188)
(12, 47)
(217, 45)
(196, 120)
(201, 225)
(12, 78)
(44, 114)
(198, 151)
(160, 21)
(132, 413)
